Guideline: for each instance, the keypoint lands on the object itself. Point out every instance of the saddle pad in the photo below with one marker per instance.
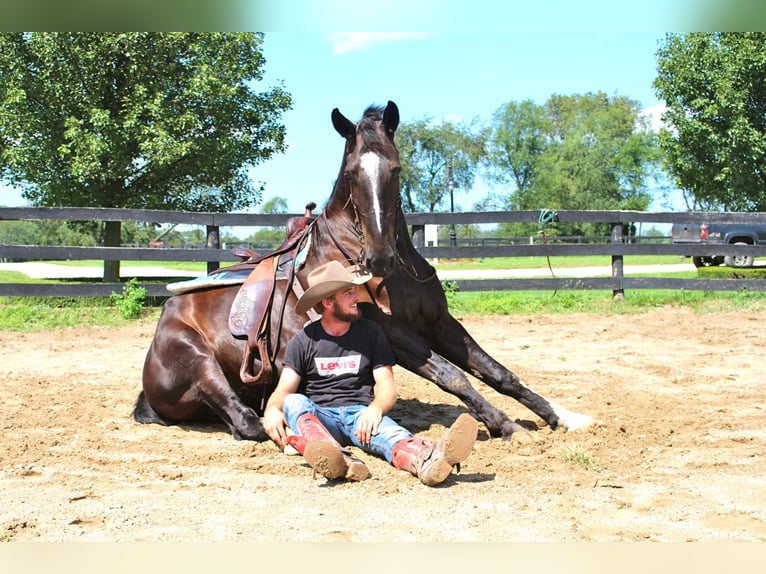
(205, 281)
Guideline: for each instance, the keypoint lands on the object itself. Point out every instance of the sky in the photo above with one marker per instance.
(445, 76)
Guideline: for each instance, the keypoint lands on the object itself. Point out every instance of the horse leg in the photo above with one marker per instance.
(457, 345)
(414, 354)
(447, 377)
(183, 381)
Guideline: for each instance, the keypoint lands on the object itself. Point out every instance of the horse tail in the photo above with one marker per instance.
(145, 413)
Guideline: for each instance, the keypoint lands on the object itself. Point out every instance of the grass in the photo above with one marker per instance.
(24, 314)
(556, 262)
(199, 266)
(568, 302)
(578, 455)
(29, 314)
(44, 313)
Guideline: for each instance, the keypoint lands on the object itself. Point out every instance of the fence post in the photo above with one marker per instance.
(617, 273)
(418, 236)
(213, 242)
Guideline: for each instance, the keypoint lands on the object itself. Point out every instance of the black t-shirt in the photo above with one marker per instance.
(337, 371)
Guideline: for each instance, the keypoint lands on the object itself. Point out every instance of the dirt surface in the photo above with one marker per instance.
(676, 452)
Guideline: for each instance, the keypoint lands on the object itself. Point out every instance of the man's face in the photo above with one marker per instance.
(344, 305)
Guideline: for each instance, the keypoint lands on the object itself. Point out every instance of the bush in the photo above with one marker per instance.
(731, 272)
(132, 300)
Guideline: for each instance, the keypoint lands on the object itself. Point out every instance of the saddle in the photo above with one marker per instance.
(250, 313)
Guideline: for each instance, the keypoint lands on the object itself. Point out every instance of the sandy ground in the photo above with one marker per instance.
(677, 452)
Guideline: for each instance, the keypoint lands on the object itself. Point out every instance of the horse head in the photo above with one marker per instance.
(368, 183)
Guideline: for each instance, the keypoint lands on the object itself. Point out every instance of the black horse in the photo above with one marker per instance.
(192, 369)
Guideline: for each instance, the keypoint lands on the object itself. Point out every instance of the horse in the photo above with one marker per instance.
(192, 370)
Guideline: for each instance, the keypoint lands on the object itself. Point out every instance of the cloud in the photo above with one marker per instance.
(654, 115)
(343, 42)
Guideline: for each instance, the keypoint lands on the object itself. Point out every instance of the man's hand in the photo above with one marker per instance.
(274, 423)
(367, 423)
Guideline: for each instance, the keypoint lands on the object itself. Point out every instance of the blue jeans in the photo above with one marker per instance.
(341, 422)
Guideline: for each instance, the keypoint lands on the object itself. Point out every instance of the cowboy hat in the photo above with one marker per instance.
(328, 279)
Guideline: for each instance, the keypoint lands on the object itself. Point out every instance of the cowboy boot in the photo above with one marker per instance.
(324, 453)
(432, 463)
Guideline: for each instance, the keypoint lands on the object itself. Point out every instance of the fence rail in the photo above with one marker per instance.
(617, 247)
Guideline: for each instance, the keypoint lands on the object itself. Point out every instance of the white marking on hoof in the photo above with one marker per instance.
(571, 421)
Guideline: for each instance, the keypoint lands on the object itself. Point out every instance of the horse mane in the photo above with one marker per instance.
(367, 127)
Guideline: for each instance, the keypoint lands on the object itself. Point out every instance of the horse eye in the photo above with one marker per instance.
(349, 175)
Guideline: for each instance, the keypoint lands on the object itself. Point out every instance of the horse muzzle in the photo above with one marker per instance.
(381, 265)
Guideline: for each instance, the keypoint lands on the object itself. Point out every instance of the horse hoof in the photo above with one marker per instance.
(570, 421)
(577, 421)
(514, 432)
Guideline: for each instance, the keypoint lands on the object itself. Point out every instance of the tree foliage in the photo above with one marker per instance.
(426, 150)
(515, 141)
(136, 120)
(588, 151)
(714, 86)
(141, 120)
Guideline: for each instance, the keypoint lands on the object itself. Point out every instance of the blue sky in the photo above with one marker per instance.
(447, 76)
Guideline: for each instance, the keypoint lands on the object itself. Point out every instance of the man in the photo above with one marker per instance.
(337, 386)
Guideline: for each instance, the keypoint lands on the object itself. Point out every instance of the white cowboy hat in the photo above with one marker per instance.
(328, 279)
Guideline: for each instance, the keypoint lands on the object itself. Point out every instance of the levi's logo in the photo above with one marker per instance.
(333, 366)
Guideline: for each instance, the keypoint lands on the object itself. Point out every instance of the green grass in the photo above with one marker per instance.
(578, 455)
(18, 277)
(569, 302)
(44, 313)
(29, 314)
(200, 266)
(560, 262)
(25, 314)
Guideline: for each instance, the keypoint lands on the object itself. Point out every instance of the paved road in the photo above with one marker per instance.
(35, 270)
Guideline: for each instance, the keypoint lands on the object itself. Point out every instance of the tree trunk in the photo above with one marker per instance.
(112, 235)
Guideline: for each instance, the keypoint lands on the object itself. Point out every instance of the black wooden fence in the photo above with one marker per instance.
(618, 247)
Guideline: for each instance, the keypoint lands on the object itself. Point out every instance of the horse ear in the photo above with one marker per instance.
(343, 125)
(391, 116)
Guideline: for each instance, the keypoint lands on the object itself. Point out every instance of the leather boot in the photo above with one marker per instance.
(433, 463)
(324, 453)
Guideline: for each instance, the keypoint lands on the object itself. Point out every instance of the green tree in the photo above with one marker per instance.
(136, 120)
(515, 141)
(270, 235)
(426, 149)
(599, 156)
(586, 151)
(714, 86)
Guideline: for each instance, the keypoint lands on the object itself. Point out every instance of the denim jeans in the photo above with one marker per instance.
(341, 422)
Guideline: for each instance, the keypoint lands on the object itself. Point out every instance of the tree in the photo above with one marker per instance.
(584, 151)
(714, 86)
(272, 236)
(515, 141)
(599, 154)
(136, 120)
(426, 149)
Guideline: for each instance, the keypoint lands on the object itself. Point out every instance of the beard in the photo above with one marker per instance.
(350, 316)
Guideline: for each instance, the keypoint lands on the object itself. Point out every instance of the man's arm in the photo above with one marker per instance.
(384, 401)
(273, 418)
